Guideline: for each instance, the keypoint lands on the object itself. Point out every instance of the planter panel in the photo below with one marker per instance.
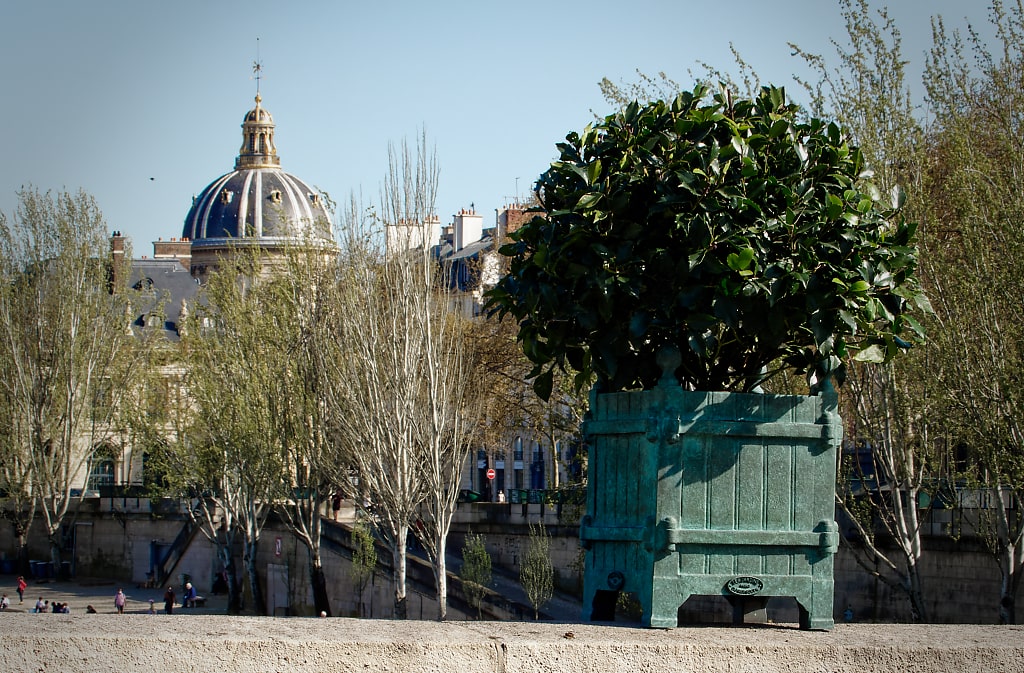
(698, 493)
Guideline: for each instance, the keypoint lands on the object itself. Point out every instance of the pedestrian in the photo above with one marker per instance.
(5, 602)
(336, 504)
(169, 600)
(152, 606)
(22, 585)
(119, 599)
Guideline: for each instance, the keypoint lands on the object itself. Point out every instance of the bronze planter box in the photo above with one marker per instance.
(710, 493)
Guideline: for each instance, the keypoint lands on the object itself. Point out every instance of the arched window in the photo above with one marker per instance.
(101, 469)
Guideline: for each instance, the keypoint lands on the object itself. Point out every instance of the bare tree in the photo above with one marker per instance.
(890, 410)
(66, 347)
(975, 179)
(306, 291)
(236, 376)
(405, 411)
(376, 351)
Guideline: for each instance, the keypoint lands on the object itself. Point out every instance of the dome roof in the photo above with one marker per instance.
(263, 203)
(257, 202)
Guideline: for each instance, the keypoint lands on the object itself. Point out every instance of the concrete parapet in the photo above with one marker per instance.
(166, 643)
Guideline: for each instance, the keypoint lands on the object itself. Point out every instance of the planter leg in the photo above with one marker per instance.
(749, 609)
(818, 617)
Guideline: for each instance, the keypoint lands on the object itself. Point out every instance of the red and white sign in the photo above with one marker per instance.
(490, 473)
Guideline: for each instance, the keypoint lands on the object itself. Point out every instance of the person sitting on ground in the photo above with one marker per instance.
(5, 602)
(41, 605)
(90, 609)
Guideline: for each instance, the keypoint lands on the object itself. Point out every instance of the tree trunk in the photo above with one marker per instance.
(399, 561)
(55, 556)
(258, 602)
(21, 533)
(441, 577)
(234, 597)
(1009, 559)
(318, 581)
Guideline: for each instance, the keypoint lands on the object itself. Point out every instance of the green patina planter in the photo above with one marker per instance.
(710, 493)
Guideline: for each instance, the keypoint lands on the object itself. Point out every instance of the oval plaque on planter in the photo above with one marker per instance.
(744, 586)
(616, 580)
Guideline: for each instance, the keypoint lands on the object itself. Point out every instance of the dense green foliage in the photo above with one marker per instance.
(734, 231)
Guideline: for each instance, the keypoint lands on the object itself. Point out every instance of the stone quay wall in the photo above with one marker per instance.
(215, 644)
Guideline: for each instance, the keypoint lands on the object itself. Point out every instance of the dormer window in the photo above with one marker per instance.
(226, 196)
(314, 199)
(275, 196)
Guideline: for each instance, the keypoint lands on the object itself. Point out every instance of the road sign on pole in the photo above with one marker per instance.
(490, 473)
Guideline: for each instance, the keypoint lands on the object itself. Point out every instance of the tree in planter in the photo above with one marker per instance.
(364, 560)
(731, 230)
(476, 570)
(536, 573)
(690, 251)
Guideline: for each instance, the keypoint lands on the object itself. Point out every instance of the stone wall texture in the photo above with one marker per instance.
(80, 643)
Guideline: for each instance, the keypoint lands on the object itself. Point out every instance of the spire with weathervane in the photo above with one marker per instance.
(258, 150)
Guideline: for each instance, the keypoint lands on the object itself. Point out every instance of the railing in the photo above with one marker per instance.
(175, 552)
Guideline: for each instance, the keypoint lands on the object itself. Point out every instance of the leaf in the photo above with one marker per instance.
(740, 261)
(860, 287)
(543, 383)
(588, 201)
(873, 354)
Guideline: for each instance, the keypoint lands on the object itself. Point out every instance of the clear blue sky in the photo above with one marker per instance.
(104, 95)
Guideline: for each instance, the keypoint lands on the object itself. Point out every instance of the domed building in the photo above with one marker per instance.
(257, 204)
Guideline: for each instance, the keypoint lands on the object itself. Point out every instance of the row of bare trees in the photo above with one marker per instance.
(333, 363)
(326, 366)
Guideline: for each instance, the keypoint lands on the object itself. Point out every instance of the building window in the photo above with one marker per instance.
(101, 472)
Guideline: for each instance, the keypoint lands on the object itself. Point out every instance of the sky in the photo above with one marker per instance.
(140, 102)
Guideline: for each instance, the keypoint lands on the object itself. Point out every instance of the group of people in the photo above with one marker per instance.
(189, 600)
(54, 607)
